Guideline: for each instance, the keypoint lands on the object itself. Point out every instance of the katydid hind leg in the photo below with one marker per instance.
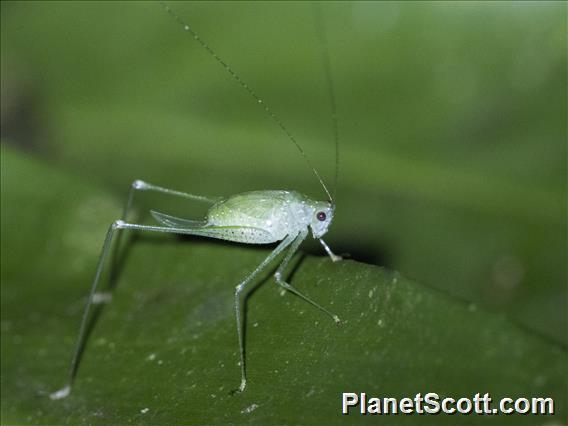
(137, 186)
(107, 245)
(83, 330)
(140, 185)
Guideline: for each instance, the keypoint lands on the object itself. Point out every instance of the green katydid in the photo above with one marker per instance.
(257, 217)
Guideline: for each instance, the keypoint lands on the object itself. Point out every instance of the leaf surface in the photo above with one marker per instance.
(164, 351)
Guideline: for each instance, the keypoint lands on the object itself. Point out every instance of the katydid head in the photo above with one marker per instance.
(322, 217)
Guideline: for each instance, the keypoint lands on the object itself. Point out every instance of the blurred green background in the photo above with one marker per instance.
(452, 121)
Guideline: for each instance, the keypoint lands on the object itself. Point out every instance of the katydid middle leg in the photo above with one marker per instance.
(238, 289)
(278, 276)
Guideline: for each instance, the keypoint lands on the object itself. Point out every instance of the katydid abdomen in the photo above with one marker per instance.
(269, 215)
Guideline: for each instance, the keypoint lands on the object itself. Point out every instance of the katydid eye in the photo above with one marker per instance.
(321, 216)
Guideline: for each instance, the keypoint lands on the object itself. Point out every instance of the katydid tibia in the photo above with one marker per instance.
(257, 217)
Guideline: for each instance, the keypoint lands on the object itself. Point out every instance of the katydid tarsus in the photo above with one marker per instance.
(257, 217)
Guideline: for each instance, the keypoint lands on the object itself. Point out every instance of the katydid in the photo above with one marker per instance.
(257, 217)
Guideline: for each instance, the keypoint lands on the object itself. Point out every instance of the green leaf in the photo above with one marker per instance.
(164, 351)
